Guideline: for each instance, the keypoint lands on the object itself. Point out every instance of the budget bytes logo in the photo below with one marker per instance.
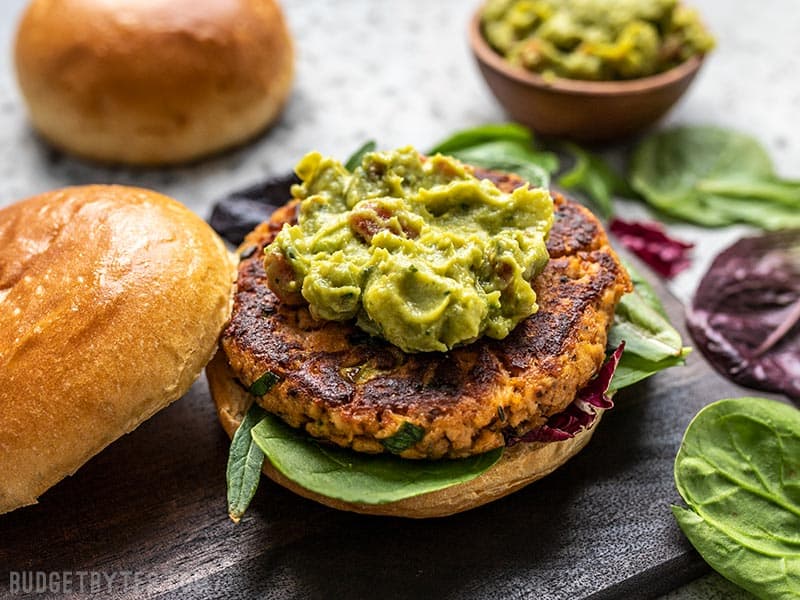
(74, 582)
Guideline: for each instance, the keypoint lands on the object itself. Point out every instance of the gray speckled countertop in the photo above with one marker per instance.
(401, 72)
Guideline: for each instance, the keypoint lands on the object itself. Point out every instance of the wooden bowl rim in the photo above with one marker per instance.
(487, 55)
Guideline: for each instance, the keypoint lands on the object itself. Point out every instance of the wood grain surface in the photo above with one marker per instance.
(146, 519)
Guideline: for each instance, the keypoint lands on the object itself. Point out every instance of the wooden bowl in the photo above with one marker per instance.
(587, 111)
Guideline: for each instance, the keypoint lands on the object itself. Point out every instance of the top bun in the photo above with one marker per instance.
(111, 302)
(152, 82)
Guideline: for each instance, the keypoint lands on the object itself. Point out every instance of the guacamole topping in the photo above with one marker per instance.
(418, 251)
(594, 39)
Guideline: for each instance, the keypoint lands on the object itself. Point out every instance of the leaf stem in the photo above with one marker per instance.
(780, 331)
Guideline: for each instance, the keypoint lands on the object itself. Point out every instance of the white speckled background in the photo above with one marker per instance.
(401, 72)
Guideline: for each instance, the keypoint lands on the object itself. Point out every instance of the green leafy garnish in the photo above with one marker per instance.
(408, 435)
(645, 332)
(466, 138)
(355, 159)
(713, 177)
(738, 470)
(652, 344)
(356, 477)
(263, 384)
(505, 147)
(640, 321)
(593, 176)
(644, 290)
(633, 368)
(244, 464)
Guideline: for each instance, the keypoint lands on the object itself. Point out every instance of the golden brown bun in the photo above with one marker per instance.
(111, 302)
(520, 465)
(155, 81)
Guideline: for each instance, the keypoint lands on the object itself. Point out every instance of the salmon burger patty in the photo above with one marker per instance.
(341, 385)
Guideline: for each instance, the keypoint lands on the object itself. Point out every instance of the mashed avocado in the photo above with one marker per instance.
(419, 252)
(595, 39)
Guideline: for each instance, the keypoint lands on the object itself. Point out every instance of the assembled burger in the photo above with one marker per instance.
(415, 337)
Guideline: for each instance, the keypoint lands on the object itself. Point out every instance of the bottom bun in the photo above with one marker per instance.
(520, 464)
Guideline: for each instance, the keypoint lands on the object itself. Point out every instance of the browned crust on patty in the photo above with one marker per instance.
(343, 385)
(520, 464)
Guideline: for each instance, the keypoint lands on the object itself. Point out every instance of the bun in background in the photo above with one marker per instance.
(152, 82)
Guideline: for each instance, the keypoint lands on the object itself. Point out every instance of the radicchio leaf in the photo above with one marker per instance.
(745, 316)
(582, 412)
(665, 255)
(238, 213)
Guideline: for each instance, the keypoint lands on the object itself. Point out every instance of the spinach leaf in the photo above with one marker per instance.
(713, 177)
(245, 460)
(652, 344)
(646, 333)
(355, 477)
(726, 210)
(355, 158)
(533, 166)
(774, 189)
(670, 163)
(503, 147)
(633, 368)
(643, 288)
(474, 136)
(738, 470)
(593, 176)
(640, 320)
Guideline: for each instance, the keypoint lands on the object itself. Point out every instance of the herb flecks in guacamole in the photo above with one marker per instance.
(419, 251)
(595, 39)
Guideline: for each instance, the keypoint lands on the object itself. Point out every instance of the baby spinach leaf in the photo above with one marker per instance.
(355, 477)
(726, 210)
(670, 163)
(474, 136)
(506, 152)
(355, 158)
(505, 147)
(505, 155)
(245, 460)
(769, 188)
(652, 344)
(738, 470)
(644, 289)
(593, 176)
(646, 332)
(713, 177)
(633, 368)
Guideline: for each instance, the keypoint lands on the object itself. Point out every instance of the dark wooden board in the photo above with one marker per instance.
(150, 512)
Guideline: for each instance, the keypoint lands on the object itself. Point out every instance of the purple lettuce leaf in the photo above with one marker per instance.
(745, 316)
(665, 255)
(236, 214)
(582, 413)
